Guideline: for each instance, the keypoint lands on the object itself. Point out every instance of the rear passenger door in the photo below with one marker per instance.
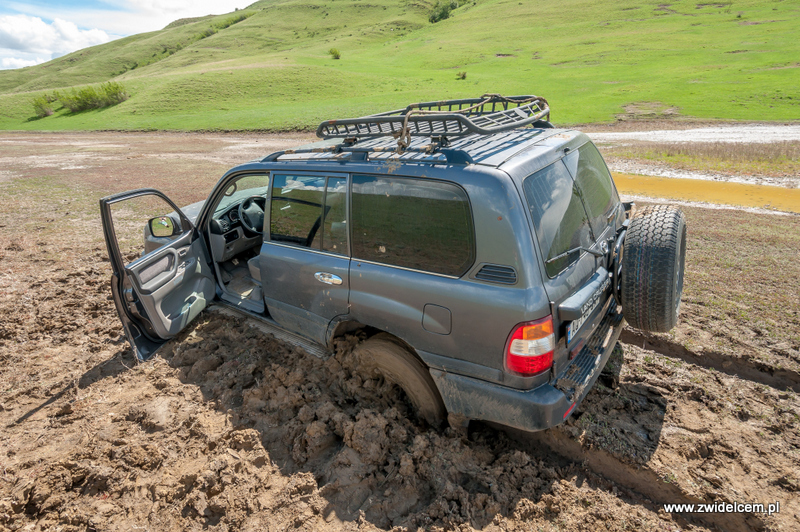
(305, 256)
(412, 242)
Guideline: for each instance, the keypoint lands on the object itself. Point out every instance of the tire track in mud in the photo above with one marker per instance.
(744, 367)
(639, 480)
(675, 433)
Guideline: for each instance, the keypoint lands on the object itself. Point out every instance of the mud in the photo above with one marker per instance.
(231, 429)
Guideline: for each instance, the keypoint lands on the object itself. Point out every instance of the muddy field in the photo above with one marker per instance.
(231, 429)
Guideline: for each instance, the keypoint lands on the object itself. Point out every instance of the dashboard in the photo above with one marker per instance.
(224, 222)
(228, 236)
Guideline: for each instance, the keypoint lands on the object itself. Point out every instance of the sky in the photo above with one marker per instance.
(38, 31)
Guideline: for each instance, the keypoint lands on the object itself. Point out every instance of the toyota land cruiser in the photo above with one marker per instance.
(486, 255)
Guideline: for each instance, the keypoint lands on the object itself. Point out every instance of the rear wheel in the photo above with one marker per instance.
(652, 268)
(382, 355)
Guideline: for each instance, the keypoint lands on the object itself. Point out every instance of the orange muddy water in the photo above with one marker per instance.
(762, 196)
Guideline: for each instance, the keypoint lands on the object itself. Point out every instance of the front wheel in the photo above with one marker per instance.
(652, 268)
(381, 355)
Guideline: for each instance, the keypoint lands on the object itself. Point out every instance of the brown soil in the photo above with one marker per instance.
(231, 429)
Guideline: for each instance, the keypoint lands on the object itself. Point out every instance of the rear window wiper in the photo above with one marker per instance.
(596, 253)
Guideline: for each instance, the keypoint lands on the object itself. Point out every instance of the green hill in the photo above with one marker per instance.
(269, 67)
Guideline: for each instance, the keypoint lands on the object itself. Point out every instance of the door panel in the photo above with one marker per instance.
(295, 296)
(157, 292)
(173, 285)
(304, 261)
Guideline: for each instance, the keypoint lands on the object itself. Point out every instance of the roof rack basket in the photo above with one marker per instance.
(491, 113)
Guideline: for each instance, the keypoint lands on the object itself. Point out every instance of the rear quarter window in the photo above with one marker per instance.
(413, 223)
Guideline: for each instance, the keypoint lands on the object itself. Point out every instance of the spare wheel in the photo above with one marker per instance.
(651, 281)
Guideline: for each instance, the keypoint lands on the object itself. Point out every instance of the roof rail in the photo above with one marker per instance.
(348, 147)
(491, 113)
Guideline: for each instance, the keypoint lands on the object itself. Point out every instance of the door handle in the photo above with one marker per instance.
(327, 278)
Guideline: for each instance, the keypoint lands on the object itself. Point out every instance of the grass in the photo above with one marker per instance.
(272, 70)
(773, 159)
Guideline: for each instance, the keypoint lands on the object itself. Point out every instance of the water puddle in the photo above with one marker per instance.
(699, 190)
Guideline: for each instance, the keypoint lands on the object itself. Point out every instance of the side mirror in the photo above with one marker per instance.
(164, 226)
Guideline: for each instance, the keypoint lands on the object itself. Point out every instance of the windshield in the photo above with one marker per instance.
(250, 185)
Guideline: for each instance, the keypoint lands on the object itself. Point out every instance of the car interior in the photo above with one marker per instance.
(235, 235)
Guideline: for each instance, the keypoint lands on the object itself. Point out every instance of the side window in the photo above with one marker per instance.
(306, 213)
(419, 224)
(558, 215)
(149, 212)
(594, 182)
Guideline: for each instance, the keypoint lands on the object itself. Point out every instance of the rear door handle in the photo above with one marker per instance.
(327, 278)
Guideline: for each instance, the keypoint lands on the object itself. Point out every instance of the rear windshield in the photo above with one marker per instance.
(558, 215)
(593, 180)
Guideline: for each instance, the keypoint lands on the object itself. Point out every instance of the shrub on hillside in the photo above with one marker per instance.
(334, 53)
(106, 95)
(114, 93)
(42, 107)
(441, 10)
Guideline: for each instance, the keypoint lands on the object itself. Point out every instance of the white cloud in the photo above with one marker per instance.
(17, 62)
(23, 35)
(27, 39)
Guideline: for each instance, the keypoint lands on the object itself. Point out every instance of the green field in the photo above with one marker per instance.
(593, 60)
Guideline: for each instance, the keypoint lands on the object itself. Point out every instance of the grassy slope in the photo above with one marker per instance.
(590, 59)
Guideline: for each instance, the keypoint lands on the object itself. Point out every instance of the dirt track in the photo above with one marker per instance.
(229, 429)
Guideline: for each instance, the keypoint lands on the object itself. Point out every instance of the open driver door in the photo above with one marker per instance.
(160, 282)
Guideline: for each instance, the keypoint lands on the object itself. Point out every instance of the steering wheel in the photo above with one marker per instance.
(252, 215)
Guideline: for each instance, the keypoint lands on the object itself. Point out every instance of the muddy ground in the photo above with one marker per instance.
(231, 429)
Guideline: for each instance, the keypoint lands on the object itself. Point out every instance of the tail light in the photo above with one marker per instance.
(529, 350)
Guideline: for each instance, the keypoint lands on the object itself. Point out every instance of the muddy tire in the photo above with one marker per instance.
(652, 268)
(383, 355)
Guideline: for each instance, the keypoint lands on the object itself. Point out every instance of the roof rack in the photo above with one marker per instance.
(491, 113)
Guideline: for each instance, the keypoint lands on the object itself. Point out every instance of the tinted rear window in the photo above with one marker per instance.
(414, 223)
(558, 215)
(593, 180)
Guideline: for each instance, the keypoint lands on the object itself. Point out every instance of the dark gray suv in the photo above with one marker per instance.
(485, 254)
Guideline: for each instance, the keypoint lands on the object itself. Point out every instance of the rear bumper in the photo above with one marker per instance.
(543, 407)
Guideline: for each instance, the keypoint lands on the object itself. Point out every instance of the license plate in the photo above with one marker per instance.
(587, 310)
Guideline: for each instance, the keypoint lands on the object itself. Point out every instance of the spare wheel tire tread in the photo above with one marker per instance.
(652, 268)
